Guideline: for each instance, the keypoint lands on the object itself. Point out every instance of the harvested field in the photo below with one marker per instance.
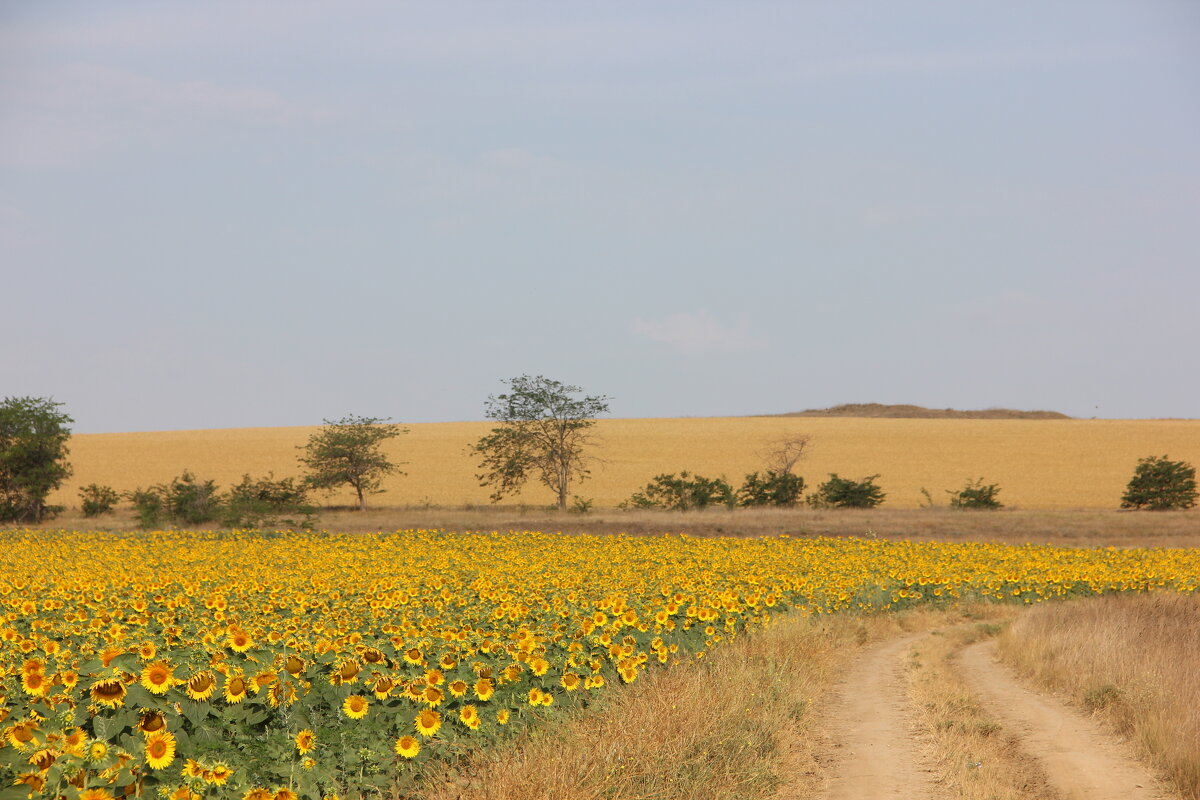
(1039, 464)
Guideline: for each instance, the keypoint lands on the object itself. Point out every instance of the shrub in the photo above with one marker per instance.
(185, 500)
(845, 493)
(96, 500)
(1160, 484)
(976, 494)
(148, 505)
(683, 492)
(771, 489)
(265, 502)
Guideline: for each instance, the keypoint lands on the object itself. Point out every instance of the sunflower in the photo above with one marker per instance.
(151, 722)
(240, 641)
(192, 769)
(68, 679)
(160, 750)
(95, 794)
(356, 706)
(235, 689)
(34, 684)
(414, 656)
(570, 681)
(502, 716)
(108, 692)
(42, 759)
(407, 746)
(286, 794)
(539, 666)
(535, 696)
(448, 661)
(282, 693)
(294, 664)
(258, 794)
(219, 774)
(382, 688)
(428, 722)
(306, 740)
(469, 716)
(201, 686)
(432, 696)
(458, 688)
(434, 677)
(484, 689)
(348, 671)
(97, 751)
(158, 677)
(373, 656)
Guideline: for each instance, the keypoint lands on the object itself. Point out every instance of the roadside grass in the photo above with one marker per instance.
(738, 723)
(1133, 660)
(974, 758)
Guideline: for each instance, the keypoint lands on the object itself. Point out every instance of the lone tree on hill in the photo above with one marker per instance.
(33, 456)
(543, 431)
(347, 452)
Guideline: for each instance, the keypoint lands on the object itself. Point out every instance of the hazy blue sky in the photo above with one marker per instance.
(229, 214)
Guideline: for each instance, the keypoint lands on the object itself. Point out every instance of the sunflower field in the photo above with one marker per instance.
(312, 665)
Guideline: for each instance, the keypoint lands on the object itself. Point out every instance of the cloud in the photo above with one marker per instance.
(698, 333)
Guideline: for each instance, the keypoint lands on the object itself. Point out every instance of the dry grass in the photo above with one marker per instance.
(1132, 659)
(1080, 528)
(1039, 464)
(973, 757)
(734, 725)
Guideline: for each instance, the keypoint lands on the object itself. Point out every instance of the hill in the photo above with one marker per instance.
(918, 412)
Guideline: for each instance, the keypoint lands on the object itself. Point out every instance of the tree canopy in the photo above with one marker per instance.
(347, 452)
(33, 456)
(543, 432)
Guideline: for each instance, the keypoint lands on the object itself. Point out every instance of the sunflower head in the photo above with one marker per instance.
(407, 746)
(108, 692)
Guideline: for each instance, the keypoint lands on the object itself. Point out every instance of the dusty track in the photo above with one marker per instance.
(874, 756)
(1079, 758)
(873, 752)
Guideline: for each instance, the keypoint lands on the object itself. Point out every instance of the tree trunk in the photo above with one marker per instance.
(362, 501)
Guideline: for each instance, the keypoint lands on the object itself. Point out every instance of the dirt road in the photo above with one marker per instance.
(874, 756)
(873, 752)
(1080, 759)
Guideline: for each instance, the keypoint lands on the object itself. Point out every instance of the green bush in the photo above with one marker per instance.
(96, 500)
(845, 493)
(148, 505)
(265, 502)
(771, 489)
(1160, 484)
(976, 494)
(683, 493)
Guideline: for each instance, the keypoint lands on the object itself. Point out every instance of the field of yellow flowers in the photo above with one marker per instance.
(292, 664)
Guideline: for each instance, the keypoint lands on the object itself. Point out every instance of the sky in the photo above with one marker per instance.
(241, 214)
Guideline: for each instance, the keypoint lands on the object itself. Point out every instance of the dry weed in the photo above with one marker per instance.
(1133, 660)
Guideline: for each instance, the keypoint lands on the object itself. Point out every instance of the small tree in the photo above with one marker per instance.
(845, 493)
(543, 431)
(771, 489)
(33, 456)
(683, 492)
(348, 452)
(1160, 484)
(781, 455)
(256, 503)
(976, 494)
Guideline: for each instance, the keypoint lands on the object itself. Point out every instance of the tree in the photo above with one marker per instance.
(781, 455)
(1160, 484)
(347, 452)
(782, 489)
(683, 493)
(33, 456)
(846, 493)
(543, 431)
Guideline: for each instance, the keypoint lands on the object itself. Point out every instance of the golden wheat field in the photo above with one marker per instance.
(1039, 464)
